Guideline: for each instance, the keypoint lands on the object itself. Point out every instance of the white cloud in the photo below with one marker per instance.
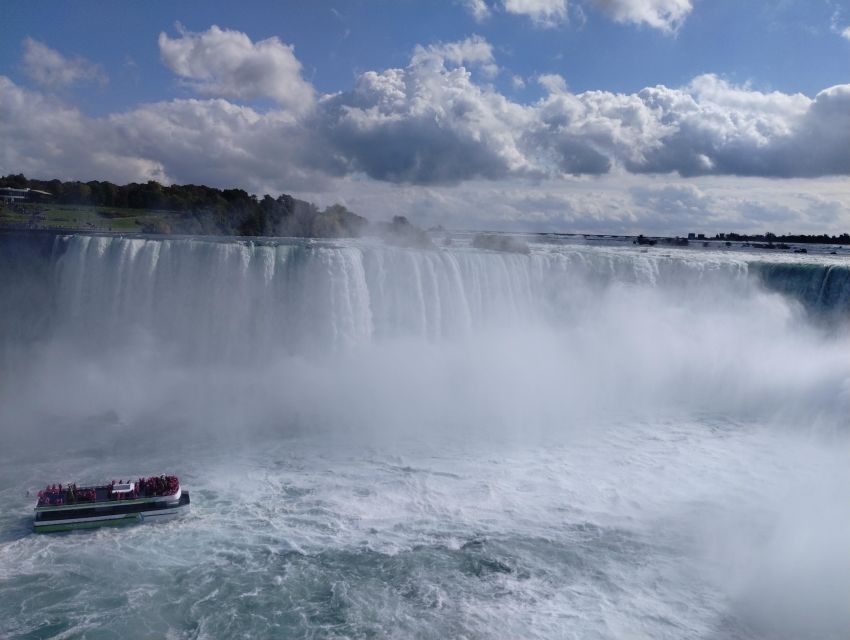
(546, 13)
(478, 9)
(552, 82)
(474, 51)
(431, 128)
(43, 137)
(835, 21)
(663, 205)
(430, 123)
(674, 201)
(752, 205)
(224, 63)
(666, 15)
(517, 82)
(211, 142)
(427, 123)
(51, 70)
(237, 144)
(713, 127)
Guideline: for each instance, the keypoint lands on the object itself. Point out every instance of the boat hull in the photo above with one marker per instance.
(113, 515)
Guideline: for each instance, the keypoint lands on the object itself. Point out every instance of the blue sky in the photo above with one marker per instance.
(538, 111)
(790, 46)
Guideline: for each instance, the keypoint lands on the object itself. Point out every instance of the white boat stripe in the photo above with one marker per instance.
(47, 523)
(160, 512)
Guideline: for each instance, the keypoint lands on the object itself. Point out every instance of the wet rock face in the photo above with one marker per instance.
(494, 242)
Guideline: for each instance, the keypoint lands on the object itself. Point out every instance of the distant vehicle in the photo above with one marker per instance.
(63, 508)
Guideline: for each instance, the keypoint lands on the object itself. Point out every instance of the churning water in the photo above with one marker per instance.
(587, 442)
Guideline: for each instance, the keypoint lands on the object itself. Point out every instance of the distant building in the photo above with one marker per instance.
(692, 236)
(700, 236)
(12, 195)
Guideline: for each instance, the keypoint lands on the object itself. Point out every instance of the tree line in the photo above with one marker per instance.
(770, 238)
(200, 209)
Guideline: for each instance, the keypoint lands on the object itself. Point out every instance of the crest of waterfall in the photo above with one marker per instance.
(223, 298)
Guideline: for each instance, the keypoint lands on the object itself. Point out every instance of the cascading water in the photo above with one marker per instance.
(210, 296)
(587, 441)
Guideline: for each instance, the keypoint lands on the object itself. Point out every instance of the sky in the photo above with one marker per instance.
(599, 116)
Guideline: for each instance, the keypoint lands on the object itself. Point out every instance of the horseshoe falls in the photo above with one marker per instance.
(589, 441)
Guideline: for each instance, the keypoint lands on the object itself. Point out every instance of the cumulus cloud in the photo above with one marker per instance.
(51, 70)
(433, 124)
(545, 13)
(442, 149)
(237, 144)
(430, 122)
(426, 123)
(224, 63)
(666, 15)
(711, 127)
(846, 33)
(211, 142)
(47, 138)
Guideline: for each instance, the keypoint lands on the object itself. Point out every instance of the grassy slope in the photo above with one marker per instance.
(80, 217)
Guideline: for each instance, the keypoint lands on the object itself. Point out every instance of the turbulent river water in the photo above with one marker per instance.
(583, 442)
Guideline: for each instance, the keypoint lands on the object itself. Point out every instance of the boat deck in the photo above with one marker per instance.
(143, 490)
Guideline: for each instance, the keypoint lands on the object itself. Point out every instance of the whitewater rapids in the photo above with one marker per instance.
(587, 442)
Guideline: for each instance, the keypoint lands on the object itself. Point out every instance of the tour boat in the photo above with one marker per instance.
(62, 508)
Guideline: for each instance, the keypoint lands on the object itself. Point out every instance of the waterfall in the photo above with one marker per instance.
(228, 296)
(676, 327)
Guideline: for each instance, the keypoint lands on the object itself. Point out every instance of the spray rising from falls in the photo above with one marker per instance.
(456, 333)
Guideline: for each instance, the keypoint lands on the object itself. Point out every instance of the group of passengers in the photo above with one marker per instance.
(58, 495)
(157, 486)
(55, 495)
